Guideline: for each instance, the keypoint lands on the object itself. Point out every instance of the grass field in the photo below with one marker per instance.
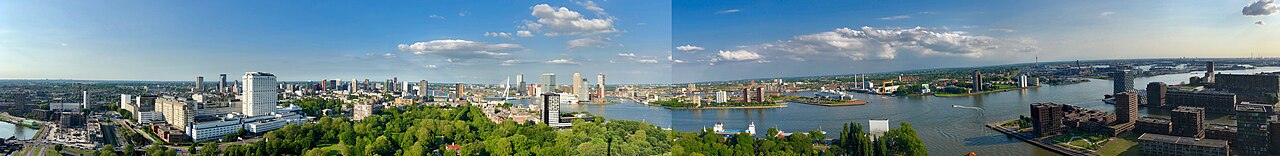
(1125, 146)
(1084, 141)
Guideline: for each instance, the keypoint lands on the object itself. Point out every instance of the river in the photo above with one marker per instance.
(946, 130)
(10, 130)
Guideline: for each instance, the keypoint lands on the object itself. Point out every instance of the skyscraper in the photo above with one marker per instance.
(548, 82)
(460, 91)
(200, 83)
(977, 81)
(600, 85)
(1126, 107)
(1188, 121)
(1122, 80)
(1156, 92)
(84, 100)
(222, 84)
(259, 94)
(582, 90)
(520, 86)
(550, 108)
(422, 88)
(577, 84)
(1208, 73)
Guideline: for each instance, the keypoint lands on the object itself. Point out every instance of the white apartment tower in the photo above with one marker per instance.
(259, 96)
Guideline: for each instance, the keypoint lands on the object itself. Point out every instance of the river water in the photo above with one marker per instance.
(10, 130)
(946, 130)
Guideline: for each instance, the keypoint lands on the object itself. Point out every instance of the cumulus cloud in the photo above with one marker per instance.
(898, 17)
(588, 42)
(638, 58)
(1261, 8)
(562, 21)
(524, 33)
(430, 66)
(737, 55)
(689, 48)
(389, 55)
(497, 34)
(728, 11)
(869, 43)
(591, 6)
(461, 49)
(562, 62)
(434, 16)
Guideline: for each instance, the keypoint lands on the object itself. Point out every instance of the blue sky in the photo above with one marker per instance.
(727, 40)
(630, 41)
(456, 41)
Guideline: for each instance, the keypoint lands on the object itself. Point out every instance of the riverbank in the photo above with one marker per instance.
(1029, 137)
(599, 103)
(727, 107)
(982, 92)
(842, 103)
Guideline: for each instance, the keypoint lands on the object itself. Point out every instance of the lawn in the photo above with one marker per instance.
(1122, 146)
(1084, 141)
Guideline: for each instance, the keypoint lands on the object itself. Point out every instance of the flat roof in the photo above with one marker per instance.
(1183, 140)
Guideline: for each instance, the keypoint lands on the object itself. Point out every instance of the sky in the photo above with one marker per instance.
(731, 40)
(439, 41)
(630, 41)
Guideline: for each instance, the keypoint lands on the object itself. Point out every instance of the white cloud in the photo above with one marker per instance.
(64, 44)
(728, 11)
(497, 34)
(1259, 22)
(638, 58)
(737, 55)
(689, 48)
(436, 16)
(1003, 30)
(588, 42)
(463, 13)
(898, 17)
(869, 43)
(430, 66)
(1261, 8)
(460, 49)
(591, 6)
(562, 62)
(562, 21)
(524, 33)
(389, 55)
(1106, 13)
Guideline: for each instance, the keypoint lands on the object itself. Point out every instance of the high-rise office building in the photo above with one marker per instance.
(1046, 118)
(577, 84)
(222, 83)
(460, 91)
(521, 88)
(581, 89)
(84, 100)
(1187, 121)
(548, 82)
(759, 94)
(200, 83)
(1122, 81)
(1252, 138)
(1156, 92)
(550, 108)
(600, 85)
(259, 94)
(977, 81)
(1208, 73)
(422, 88)
(1022, 81)
(1126, 107)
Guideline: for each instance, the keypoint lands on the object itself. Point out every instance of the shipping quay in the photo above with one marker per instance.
(1029, 138)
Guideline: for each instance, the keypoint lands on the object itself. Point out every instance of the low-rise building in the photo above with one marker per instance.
(1165, 145)
(1212, 101)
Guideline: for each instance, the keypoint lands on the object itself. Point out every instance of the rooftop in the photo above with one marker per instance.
(1183, 140)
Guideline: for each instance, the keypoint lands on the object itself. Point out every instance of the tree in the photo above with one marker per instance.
(209, 149)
